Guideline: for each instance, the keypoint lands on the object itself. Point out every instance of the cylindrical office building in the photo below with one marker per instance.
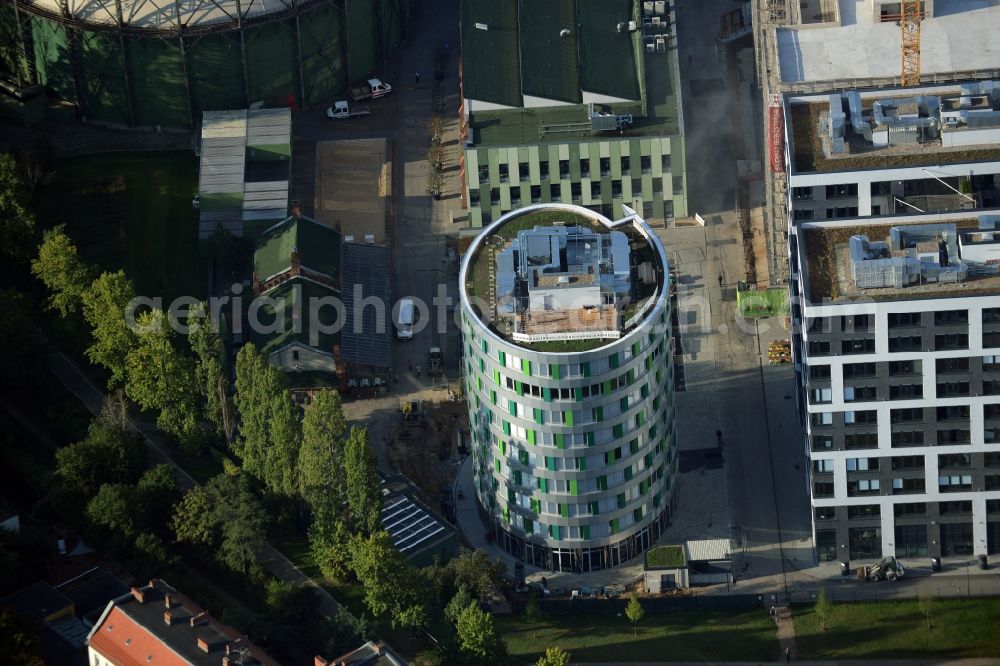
(569, 384)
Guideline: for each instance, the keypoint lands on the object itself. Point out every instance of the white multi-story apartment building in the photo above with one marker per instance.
(894, 244)
(569, 384)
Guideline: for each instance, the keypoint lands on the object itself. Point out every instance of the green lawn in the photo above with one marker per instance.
(690, 636)
(898, 630)
(132, 211)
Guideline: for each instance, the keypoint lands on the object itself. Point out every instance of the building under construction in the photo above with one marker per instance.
(144, 63)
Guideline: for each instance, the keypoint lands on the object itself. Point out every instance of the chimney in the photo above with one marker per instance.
(168, 618)
(225, 660)
(296, 268)
(138, 595)
(296, 209)
(379, 649)
(195, 619)
(203, 645)
(320, 661)
(168, 601)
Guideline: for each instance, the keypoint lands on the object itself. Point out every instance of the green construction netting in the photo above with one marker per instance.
(103, 78)
(51, 54)
(215, 72)
(156, 78)
(762, 303)
(11, 61)
(271, 64)
(361, 45)
(393, 19)
(323, 70)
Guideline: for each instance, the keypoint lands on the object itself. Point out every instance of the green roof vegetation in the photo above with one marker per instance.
(490, 57)
(607, 56)
(665, 556)
(549, 65)
(318, 247)
(291, 301)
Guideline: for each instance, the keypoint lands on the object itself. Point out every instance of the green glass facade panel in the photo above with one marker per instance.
(538, 416)
(531, 436)
(578, 393)
(574, 487)
(568, 417)
(526, 366)
(558, 439)
(546, 394)
(585, 531)
(585, 368)
(554, 371)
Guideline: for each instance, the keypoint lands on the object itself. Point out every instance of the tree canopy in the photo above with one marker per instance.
(554, 656)
(224, 516)
(62, 271)
(107, 455)
(270, 432)
(159, 377)
(17, 225)
(209, 373)
(361, 469)
(322, 478)
(104, 307)
(478, 638)
(390, 582)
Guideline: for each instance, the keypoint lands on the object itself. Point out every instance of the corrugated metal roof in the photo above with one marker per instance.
(707, 550)
(269, 126)
(361, 342)
(225, 136)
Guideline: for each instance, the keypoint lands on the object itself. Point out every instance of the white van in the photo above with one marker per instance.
(404, 319)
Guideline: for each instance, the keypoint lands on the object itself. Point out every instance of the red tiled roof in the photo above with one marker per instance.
(122, 641)
(136, 632)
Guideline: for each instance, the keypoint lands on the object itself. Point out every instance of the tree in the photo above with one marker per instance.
(361, 470)
(322, 478)
(554, 656)
(107, 455)
(104, 307)
(224, 516)
(158, 491)
(149, 556)
(329, 544)
(270, 436)
(17, 226)
(62, 271)
(159, 377)
(19, 640)
(118, 508)
(478, 638)
(822, 608)
(457, 604)
(634, 612)
(477, 571)
(533, 614)
(389, 580)
(19, 361)
(209, 374)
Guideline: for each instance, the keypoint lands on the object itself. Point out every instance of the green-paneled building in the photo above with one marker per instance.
(571, 101)
(140, 63)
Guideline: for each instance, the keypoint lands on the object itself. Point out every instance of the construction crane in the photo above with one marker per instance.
(910, 42)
